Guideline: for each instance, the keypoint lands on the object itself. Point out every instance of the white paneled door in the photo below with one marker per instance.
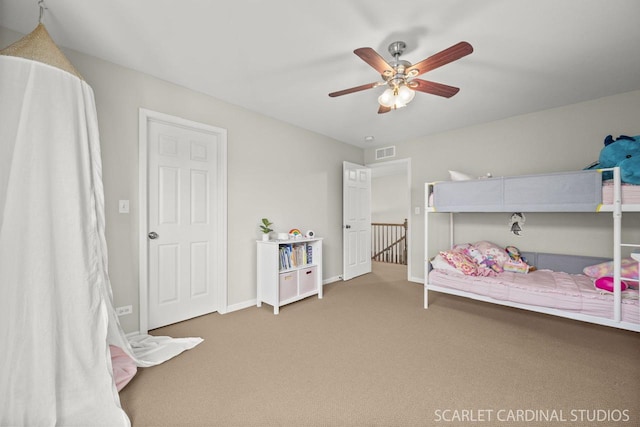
(356, 226)
(183, 237)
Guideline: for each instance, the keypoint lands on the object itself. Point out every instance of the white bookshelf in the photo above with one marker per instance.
(292, 278)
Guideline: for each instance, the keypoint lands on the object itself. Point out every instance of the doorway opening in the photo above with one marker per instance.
(391, 205)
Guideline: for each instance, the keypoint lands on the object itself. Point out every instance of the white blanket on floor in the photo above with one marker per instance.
(56, 312)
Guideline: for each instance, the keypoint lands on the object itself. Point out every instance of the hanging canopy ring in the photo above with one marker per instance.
(42, 8)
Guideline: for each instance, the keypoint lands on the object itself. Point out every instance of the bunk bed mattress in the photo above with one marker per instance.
(630, 193)
(543, 288)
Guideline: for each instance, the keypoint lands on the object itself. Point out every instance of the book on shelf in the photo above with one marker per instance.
(293, 255)
(309, 254)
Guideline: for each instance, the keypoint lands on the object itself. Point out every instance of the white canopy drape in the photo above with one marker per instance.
(56, 312)
(56, 367)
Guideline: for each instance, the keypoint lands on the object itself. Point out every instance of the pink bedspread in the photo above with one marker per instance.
(543, 288)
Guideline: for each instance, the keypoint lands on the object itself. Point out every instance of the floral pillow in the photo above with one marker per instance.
(486, 266)
(463, 257)
(440, 263)
(628, 269)
(492, 252)
(461, 262)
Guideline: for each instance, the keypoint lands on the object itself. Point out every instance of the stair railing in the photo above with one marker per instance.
(389, 242)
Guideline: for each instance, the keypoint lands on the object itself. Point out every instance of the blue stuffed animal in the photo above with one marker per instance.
(624, 152)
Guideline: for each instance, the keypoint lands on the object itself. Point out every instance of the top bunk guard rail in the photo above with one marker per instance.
(574, 191)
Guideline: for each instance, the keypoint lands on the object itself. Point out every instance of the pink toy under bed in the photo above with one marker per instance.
(124, 368)
(543, 288)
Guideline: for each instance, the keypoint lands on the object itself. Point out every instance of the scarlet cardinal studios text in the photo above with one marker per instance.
(531, 415)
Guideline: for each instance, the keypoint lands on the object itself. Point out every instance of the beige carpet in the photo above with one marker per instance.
(368, 354)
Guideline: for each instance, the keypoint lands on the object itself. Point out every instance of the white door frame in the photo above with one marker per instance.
(143, 164)
(404, 166)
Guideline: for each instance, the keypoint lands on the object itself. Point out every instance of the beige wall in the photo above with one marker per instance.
(561, 139)
(389, 199)
(269, 174)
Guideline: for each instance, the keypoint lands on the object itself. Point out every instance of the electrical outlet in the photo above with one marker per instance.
(126, 309)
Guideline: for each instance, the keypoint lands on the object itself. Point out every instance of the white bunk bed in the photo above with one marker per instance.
(579, 191)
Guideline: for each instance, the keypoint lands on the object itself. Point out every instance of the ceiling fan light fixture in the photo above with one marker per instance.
(398, 104)
(400, 76)
(388, 98)
(405, 94)
(397, 97)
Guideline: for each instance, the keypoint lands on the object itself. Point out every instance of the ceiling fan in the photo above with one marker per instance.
(400, 76)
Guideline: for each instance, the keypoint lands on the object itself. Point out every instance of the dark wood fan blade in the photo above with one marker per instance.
(372, 58)
(433, 88)
(441, 58)
(383, 109)
(354, 89)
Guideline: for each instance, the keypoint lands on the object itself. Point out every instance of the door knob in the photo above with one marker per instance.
(347, 226)
(153, 235)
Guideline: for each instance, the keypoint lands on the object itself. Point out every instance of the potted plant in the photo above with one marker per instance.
(265, 227)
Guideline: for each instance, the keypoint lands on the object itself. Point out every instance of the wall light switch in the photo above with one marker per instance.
(416, 210)
(123, 206)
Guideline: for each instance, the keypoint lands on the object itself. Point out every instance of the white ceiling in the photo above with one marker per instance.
(281, 58)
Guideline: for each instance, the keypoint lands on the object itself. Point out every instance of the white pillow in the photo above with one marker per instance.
(459, 176)
(439, 263)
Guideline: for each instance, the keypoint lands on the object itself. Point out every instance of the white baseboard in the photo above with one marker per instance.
(252, 302)
(240, 306)
(331, 280)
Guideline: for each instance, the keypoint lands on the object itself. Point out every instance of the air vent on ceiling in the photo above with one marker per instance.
(386, 152)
